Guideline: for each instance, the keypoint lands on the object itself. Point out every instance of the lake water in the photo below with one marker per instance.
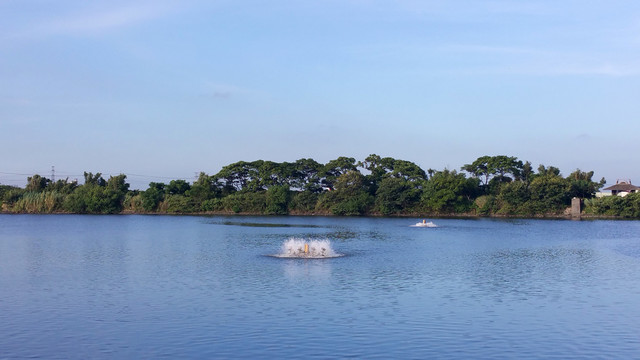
(91, 287)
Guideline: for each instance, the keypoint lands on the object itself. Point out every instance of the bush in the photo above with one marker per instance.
(177, 204)
(304, 201)
(277, 200)
(133, 203)
(353, 206)
(39, 202)
(245, 202)
(627, 206)
(13, 195)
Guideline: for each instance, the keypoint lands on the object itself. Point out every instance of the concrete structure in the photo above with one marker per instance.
(576, 207)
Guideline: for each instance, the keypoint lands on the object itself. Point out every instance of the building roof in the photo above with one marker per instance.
(623, 186)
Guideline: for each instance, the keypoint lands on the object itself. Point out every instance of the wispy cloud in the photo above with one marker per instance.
(490, 49)
(97, 19)
(101, 21)
(466, 8)
(532, 61)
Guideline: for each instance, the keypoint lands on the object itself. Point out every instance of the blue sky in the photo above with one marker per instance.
(162, 89)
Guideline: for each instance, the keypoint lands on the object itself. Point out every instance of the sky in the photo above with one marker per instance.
(163, 90)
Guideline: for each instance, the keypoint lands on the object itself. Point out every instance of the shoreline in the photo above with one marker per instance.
(417, 215)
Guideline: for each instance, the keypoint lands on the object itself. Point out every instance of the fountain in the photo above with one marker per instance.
(307, 249)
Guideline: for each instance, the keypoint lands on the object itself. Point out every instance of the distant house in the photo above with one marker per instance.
(622, 188)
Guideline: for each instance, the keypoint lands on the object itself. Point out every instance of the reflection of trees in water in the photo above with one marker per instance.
(526, 273)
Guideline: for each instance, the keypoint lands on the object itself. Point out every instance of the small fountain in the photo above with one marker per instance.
(307, 249)
(425, 223)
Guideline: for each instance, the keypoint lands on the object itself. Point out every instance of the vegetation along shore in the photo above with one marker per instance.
(377, 186)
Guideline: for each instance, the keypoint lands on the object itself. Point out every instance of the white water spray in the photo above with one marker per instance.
(309, 249)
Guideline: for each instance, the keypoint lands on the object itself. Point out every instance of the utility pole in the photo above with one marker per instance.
(53, 174)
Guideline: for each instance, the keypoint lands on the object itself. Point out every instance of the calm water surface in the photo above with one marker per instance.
(85, 287)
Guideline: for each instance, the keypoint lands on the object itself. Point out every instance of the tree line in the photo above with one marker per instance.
(489, 186)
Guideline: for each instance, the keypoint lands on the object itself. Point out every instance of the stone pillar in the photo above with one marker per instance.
(575, 208)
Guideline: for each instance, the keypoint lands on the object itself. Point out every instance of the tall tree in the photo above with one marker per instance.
(177, 187)
(500, 169)
(449, 192)
(335, 168)
(306, 175)
(37, 183)
(581, 184)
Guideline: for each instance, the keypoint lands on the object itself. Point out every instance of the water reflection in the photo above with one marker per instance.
(318, 269)
(266, 225)
(178, 287)
(525, 273)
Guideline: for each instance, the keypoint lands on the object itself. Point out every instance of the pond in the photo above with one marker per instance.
(80, 287)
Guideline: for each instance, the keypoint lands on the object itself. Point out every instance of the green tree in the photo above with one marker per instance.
(381, 168)
(619, 206)
(203, 189)
(449, 192)
(336, 168)
(306, 175)
(500, 169)
(549, 193)
(350, 196)
(91, 179)
(177, 204)
(177, 187)
(277, 200)
(304, 202)
(65, 186)
(395, 195)
(152, 196)
(98, 196)
(581, 184)
(36, 183)
(513, 196)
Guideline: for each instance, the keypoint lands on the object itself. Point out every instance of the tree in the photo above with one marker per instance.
(204, 188)
(277, 200)
(63, 186)
(306, 175)
(336, 168)
(350, 196)
(177, 187)
(36, 183)
(395, 195)
(449, 192)
(378, 167)
(527, 173)
(547, 171)
(501, 168)
(549, 192)
(96, 179)
(98, 196)
(479, 168)
(513, 196)
(381, 168)
(236, 176)
(581, 185)
(152, 196)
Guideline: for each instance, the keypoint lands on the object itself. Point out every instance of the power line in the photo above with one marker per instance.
(154, 176)
(9, 173)
(53, 174)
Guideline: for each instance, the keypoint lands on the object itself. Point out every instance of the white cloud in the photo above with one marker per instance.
(100, 21)
(95, 19)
